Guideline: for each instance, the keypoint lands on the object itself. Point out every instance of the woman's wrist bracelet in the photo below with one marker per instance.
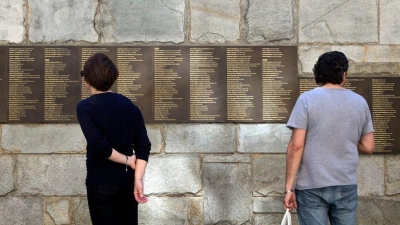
(126, 164)
(288, 191)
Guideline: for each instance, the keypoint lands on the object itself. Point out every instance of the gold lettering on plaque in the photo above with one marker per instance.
(19, 80)
(164, 82)
(56, 83)
(202, 68)
(274, 93)
(127, 74)
(382, 110)
(238, 98)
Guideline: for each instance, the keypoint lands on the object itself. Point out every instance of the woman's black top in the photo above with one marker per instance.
(111, 121)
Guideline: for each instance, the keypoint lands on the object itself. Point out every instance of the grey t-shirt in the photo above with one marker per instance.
(335, 119)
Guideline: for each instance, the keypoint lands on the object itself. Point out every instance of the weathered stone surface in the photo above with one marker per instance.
(268, 205)
(373, 211)
(370, 175)
(146, 21)
(62, 20)
(12, 20)
(269, 175)
(271, 21)
(7, 164)
(338, 21)
(373, 69)
(166, 210)
(263, 138)
(266, 219)
(227, 193)
(173, 174)
(80, 211)
(200, 138)
(228, 158)
(308, 56)
(214, 21)
(21, 211)
(61, 175)
(393, 175)
(58, 209)
(389, 28)
(49, 138)
(371, 53)
(155, 136)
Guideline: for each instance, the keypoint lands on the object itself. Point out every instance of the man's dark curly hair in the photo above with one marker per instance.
(100, 72)
(330, 68)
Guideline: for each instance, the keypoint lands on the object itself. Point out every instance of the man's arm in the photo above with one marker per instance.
(293, 158)
(366, 143)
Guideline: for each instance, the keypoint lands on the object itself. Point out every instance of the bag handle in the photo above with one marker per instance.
(287, 219)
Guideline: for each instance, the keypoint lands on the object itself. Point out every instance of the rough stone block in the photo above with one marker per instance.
(165, 210)
(200, 138)
(146, 21)
(265, 219)
(62, 21)
(61, 175)
(214, 21)
(338, 21)
(12, 20)
(7, 164)
(389, 15)
(235, 158)
(173, 174)
(155, 135)
(58, 210)
(370, 175)
(21, 211)
(269, 175)
(308, 56)
(268, 205)
(49, 138)
(393, 175)
(371, 53)
(227, 193)
(263, 138)
(80, 211)
(271, 21)
(374, 211)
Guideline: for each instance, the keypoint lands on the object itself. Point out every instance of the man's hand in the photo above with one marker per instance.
(290, 201)
(138, 191)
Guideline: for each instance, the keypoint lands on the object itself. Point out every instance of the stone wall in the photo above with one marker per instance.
(198, 173)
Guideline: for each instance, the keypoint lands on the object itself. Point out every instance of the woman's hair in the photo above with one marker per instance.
(100, 72)
(330, 68)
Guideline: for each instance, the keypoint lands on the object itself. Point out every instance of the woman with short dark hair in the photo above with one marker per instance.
(112, 126)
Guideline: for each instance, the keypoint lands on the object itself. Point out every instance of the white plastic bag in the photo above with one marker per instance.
(287, 219)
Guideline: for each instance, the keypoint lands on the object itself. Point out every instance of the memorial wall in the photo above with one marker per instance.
(181, 84)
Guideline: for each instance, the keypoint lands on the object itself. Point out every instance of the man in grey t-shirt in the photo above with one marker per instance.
(330, 126)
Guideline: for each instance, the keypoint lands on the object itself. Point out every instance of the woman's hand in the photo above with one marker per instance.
(132, 161)
(138, 191)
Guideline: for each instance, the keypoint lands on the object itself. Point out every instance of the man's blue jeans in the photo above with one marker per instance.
(338, 203)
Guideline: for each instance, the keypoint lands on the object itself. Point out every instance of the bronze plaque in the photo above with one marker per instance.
(62, 84)
(244, 84)
(3, 84)
(135, 79)
(26, 84)
(386, 114)
(279, 80)
(171, 83)
(207, 84)
(361, 86)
